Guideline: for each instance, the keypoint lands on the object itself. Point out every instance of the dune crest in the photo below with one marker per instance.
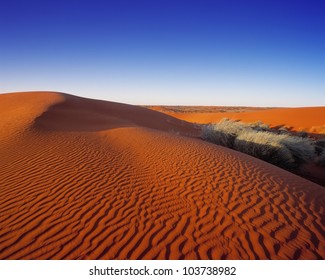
(92, 179)
(20, 109)
(88, 115)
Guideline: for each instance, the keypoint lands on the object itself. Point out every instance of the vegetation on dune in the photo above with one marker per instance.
(320, 160)
(265, 146)
(320, 151)
(258, 140)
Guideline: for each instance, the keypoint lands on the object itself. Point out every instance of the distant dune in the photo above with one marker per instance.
(88, 179)
(309, 119)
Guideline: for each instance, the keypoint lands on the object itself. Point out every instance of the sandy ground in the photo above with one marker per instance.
(309, 119)
(85, 179)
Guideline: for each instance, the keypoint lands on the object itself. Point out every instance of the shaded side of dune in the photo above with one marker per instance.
(86, 115)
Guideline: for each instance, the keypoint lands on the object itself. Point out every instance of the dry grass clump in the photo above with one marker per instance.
(320, 160)
(223, 133)
(320, 143)
(259, 126)
(259, 141)
(266, 146)
(213, 135)
(302, 148)
(320, 151)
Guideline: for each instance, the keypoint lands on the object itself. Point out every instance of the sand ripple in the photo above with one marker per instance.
(135, 192)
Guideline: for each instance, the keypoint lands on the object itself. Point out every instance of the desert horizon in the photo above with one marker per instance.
(93, 179)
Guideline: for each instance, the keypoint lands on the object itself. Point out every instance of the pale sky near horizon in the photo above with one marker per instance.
(236, 52)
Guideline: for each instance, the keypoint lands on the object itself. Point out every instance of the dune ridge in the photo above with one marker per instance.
(90, 179)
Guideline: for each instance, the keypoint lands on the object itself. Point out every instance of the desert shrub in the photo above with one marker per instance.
(283, 130)
(230, 127)
(283, 150)
(266, 146)
(212, 134)
(302, 134)
(320, 146)
(320, 160)
(223, 133)
(320, 142)
(302, 149)
(259, 126)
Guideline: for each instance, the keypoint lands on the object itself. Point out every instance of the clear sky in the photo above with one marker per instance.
(203, 52)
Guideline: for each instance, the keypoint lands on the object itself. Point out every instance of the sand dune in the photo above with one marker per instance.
(309, 119)
(86, 179)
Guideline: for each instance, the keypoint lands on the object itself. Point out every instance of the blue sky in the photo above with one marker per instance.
(221, 52)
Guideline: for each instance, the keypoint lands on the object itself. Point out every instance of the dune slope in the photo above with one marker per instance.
(85, 179)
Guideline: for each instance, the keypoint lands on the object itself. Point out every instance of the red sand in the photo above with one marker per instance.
(85, 179)
(309, 119)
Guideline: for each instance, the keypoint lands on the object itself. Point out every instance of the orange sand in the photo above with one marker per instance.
(309, 119)
(85, 179)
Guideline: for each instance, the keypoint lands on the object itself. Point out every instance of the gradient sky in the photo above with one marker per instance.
(204, 52)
